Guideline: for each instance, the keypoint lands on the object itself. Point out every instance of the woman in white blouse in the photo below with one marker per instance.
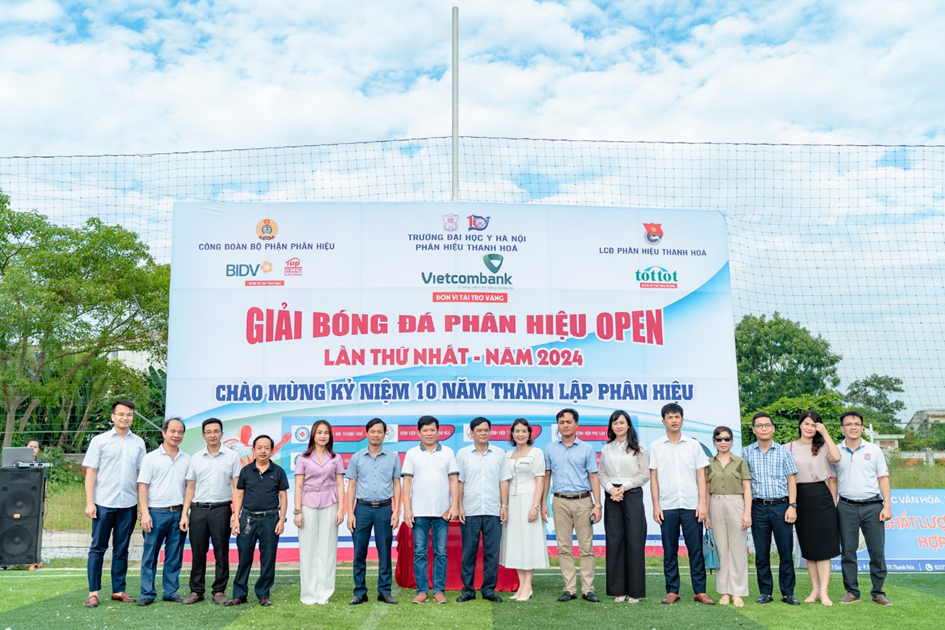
(524, 546)
(624, 469)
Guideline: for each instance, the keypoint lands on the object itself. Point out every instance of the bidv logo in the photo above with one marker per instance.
(267, 229)
(654, 232)
(240, 271)
(450, 222)
(657, 278)
(477, 222)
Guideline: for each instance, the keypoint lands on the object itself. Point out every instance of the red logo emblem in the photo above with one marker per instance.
(654, 232)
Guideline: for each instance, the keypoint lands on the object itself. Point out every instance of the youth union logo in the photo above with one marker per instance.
(654, 232)
(450, 222)
(266, 230)
(477, 222)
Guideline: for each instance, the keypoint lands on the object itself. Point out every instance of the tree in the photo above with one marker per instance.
(780, 358)
(872, 396)
(69, 296)
(787, 412)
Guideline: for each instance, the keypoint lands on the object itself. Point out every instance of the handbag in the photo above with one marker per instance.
(709, 552)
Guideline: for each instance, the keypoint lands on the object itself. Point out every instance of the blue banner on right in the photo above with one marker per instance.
(915, 537)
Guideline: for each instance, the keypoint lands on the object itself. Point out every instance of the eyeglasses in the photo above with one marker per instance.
(764, 426)
(124, 415)
(723, 439)
(856, 425)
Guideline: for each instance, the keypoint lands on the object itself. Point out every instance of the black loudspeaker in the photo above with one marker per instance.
(21, 515)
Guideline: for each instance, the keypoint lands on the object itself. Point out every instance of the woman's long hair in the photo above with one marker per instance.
(633, 442)
(818, 440)
(311, 439)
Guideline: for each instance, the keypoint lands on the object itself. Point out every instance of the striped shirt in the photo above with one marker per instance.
(769, 470)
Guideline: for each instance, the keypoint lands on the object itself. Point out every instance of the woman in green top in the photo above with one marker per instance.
(729, 517)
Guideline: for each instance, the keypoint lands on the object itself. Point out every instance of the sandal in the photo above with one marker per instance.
(632, 600)
(737, 602)
(724, 600)
(622, 598)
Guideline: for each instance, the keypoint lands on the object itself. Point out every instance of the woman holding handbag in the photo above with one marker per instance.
(729, 517)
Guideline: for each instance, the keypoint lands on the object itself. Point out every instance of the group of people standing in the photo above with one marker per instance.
(500, 499)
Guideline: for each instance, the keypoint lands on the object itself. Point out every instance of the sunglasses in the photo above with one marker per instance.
(723, 439)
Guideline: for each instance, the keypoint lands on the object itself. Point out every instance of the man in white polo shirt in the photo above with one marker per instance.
(161, 497)
(431, 501)
(208, 511)
(680, 501)
(862, 481)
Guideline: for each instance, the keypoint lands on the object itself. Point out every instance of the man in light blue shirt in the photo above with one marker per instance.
(161, 484)
(373, 476)
(571, 465)
(111, 467)
(484, 475)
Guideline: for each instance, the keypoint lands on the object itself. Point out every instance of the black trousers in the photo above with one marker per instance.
(206, 526)
(767, 520)
(625, 530)
(491, 530)
(853, 518)
(263, 531)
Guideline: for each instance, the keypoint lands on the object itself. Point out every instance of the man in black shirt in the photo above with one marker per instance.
(261, 502)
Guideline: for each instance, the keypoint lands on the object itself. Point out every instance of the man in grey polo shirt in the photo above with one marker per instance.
(571, 465)
(861, 478)
(484, 475)
(161, 485)
(431, 500)
(208, 511)
(373, 476)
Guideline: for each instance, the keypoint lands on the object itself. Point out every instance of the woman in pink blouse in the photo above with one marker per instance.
(319, 481)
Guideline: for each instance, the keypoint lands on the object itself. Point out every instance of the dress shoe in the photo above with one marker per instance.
(265, 601)
(882, 601)
(764, 599)
(671, 598)
(591, 597)
(123, 597)
(849, 598)
(219, 598)
(525, 599)
(236, 601)
(387, 599)
(492, 597)
(702, 598)
(193, 598)
(465, 598)
(566, 597)
(145, 601)
(420, 598)
(440, 598)
(176, 598)
(92, 601)
(790, 599)
(358, 599)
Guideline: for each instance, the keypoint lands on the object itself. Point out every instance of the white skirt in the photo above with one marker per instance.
(523, 545)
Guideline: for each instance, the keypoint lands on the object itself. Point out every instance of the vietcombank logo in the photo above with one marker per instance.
(493, 263)
(657, 278)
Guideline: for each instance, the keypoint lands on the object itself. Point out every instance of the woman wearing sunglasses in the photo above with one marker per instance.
(729, 517)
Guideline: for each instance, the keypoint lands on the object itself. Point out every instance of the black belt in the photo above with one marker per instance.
(770, 501)
(210, 506)
(572, 497)
(865, 502)
(173, 508)
(374, 504)
(262, 514)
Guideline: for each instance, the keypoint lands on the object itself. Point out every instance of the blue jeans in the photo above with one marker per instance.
(117, 524)
(673, 521)
(165, 529)
(421, 541)
(765, 520)
(367, 518)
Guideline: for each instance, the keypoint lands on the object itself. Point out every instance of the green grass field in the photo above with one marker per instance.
(53, 599)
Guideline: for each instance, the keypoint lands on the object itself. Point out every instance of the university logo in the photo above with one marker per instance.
(450, 222)
(493, 262)
(293, 267)
(266, 230)
(477, 222)
(654, 232)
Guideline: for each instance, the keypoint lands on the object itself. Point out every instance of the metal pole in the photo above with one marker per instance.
(455, 183)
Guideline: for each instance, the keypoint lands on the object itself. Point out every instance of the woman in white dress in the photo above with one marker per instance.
(524, 546)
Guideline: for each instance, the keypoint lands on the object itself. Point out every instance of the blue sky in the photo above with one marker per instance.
(150, 75)
(153, 76)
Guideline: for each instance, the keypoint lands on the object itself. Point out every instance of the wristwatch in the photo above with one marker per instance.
(503, 507)
(536, 507)
(793, 505)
